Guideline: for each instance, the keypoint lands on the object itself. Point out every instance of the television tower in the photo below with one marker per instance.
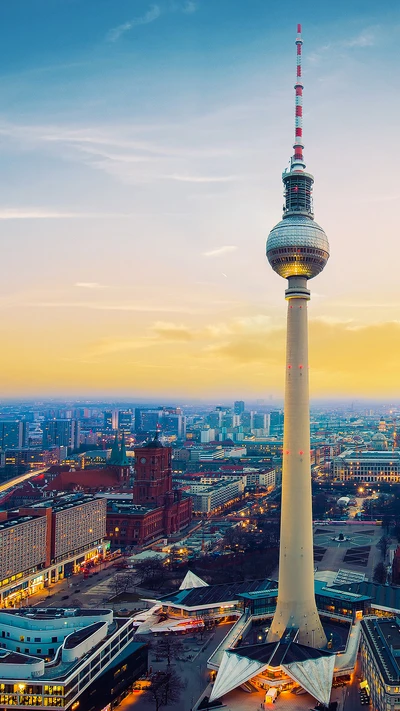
(297, 249)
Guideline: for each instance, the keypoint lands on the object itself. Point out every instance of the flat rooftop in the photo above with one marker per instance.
(50, 613)
(17, 658)
(15, 520)
(383, 635)
(66, 501)
(386, 596)
(126, 506)
(370, 455)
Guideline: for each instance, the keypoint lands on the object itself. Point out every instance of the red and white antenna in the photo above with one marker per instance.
(297, 161)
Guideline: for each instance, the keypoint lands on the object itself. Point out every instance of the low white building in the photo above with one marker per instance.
(50, 656)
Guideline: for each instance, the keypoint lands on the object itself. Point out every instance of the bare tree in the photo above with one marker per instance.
(151, 571)
(167, 647)
(379, 573)
(383, 545)
(165, 688)
(122, 582)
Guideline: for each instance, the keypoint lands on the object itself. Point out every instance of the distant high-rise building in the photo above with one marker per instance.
(214, 419)
(246, 420)
(276, 420)
(238, 407)
(61, 433)
(260, 421)
(169, 420)
(125, 421)
(111, 420)
(13, 434)
(147, 420)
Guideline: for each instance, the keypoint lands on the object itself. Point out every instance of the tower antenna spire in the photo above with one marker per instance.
(297, 161)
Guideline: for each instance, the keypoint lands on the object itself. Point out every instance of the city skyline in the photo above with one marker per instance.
(141, 145)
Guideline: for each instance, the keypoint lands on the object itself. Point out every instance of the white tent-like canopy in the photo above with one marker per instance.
(314, 675)
(233, 672)
(191, 580)
(311, 668)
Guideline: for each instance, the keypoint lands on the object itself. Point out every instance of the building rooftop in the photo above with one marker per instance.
(49, 613)
(80, 635)
(370, 455)
(214, 594)
(16, 658)
(126, 506)
(68, 500)
(250, 590)
(383, 635)
(386, 596)
(15, 520)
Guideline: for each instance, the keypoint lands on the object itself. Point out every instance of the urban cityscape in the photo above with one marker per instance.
(199, 495)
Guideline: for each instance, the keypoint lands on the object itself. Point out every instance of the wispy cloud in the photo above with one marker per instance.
(89, 285)
(172, 331)
(139, 308)
(21, 213)
(221, 250)
(366, 38)
(151, 15)
(189, 7)
(203, 178)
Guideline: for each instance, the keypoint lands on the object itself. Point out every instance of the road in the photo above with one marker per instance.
(23, 477)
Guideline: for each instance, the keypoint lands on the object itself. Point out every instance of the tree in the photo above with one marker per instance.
(151, 571)
(383, 546)
(380, 574)
(386, 522)
(168, 647)
(122, 582)
(165, 688)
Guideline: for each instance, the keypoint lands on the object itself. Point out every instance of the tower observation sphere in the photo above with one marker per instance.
(297, 246)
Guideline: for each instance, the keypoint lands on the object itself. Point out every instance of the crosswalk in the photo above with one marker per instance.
(101, 589)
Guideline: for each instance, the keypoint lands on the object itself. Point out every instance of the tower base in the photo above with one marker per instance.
(305, 619)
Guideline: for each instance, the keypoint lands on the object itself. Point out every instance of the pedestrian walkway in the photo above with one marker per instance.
(103, 589)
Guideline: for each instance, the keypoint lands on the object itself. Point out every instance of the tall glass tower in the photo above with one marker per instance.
(297, 249)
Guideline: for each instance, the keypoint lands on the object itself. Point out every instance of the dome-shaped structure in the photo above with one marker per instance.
(297, 246)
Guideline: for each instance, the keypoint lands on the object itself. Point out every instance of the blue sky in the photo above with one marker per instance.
(141, 149)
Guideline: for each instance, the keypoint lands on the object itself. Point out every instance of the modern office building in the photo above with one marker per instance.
(297, 250)
(125, 418)
(276, 419)
(61, 433)
(14, 434)
(62, 658)
(110, 420)
(261, 422)
(238, 407)
(168, 420)
(46, 541)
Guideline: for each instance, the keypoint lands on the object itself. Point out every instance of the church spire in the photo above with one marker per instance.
(115, 453)
(123, 458)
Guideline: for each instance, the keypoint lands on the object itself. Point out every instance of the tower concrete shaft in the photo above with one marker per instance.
(296, 607)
